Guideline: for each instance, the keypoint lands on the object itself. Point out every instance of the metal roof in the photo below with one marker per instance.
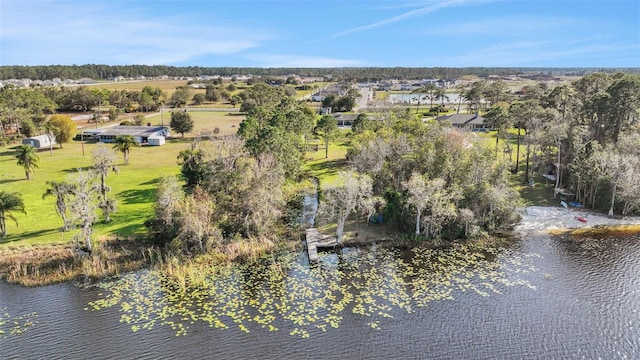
(132, 130)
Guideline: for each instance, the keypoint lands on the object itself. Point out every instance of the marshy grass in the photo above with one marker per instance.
(38, 265)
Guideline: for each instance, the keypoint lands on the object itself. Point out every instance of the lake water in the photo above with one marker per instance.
(541, 297)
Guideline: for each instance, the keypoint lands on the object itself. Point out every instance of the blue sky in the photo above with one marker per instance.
(328, 33)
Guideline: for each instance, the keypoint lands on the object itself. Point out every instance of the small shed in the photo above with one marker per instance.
(40, 141)
(155, 140)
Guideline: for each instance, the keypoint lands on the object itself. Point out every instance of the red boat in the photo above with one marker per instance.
(580, 218)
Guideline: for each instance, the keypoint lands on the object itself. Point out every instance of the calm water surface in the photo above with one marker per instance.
(540, 298)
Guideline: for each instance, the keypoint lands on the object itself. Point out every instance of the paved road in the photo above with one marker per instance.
(366, 96)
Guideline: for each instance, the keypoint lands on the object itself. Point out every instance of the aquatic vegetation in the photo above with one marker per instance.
(289, 295)
(11, 325)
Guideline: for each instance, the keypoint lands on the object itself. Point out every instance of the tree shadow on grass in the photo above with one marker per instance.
(136, 196)
(124, 225)
(151, 182)
(5, 181)
(76, 169)
(131, 229)
(328, 168)
(8, 152)
(12, 238)
(181, 140)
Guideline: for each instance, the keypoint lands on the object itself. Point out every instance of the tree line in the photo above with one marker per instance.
(104, 72)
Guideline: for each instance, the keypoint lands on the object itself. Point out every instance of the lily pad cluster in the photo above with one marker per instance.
(11, 325)
(287, 294)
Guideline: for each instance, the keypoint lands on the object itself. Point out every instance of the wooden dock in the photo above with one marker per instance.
(317, 240)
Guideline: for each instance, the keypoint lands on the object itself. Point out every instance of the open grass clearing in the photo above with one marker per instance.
(133, 187)
(326, 168)
(204, 121)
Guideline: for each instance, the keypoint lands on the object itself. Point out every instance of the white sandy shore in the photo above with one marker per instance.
(544, 218)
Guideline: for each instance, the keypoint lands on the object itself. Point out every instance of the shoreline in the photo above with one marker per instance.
(47, 264)
(557, 220)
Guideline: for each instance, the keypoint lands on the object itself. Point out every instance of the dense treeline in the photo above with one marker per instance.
(586, 134)
(104, 72)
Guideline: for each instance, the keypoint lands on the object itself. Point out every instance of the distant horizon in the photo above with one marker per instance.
(338, 67)
(334, 34)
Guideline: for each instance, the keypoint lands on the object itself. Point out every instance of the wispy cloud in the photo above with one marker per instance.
(507, 26)
(590, 51)
(264, 60)
(105, 34)
(424, 10)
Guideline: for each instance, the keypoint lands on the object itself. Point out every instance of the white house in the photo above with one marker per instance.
(140, 133)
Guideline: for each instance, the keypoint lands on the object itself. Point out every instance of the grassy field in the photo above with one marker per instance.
(133, 187)
(326, 169)
(227, 122)
(168, 86)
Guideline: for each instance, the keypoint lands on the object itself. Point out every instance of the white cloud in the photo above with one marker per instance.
(510, 26)
(264, 60)
(100, 33)
(583, 52)
(432, 7)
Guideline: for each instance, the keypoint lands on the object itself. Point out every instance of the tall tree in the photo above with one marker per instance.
(64, 128)
(418, 195)
(326, 127)
(354, 193)
(28, 158)
(193, 164)
(9, 202)
(83, 207)
(495, 92)
(104, 162)
(63, 192)
(441, 94)
(181, 96)
(498, 118)
(181, 122)
(124, 144)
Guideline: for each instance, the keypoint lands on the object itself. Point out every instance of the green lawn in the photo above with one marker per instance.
(227, 122)
(326, 169)
(133, 187)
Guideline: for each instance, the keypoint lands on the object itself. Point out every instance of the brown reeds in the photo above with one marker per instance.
(42, 265)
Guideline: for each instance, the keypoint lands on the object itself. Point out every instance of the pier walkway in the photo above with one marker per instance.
(317, 240)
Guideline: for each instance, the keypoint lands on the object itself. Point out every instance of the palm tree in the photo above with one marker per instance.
(441, 93)
(124, 143)
(9, 202)
(28, 158)
(62, 191)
